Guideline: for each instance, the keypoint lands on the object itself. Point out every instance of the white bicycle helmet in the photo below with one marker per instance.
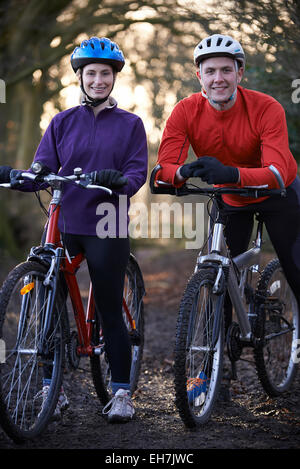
(219, 45)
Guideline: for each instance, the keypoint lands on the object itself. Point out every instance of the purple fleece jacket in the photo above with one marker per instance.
(115, 139)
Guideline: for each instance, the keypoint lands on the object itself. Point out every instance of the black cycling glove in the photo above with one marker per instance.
(210, 170)
(15, 177)
(5, 174)
(111, 178)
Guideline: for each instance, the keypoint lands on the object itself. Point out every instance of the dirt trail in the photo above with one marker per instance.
(250, 420)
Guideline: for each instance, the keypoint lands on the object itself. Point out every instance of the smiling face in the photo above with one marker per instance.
(219, 79)
(98, 80)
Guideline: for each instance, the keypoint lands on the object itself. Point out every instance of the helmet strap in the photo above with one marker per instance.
(220, 103)
(89, 101)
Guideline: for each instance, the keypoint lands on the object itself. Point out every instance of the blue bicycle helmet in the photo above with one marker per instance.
(97, 50)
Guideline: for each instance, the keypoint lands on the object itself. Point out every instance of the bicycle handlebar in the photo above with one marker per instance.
(160, 187)
(81, 179)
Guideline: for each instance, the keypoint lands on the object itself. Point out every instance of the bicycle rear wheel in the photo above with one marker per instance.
(278, 328)
(23, 304)
(198, 349)
(132, 302)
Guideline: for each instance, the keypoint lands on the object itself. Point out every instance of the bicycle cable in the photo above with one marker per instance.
(37, 194)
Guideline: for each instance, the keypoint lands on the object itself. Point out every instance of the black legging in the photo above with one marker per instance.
(282, 220)
(107, 259)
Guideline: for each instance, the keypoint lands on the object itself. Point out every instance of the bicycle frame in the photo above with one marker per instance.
(69, 267)
(218, 254)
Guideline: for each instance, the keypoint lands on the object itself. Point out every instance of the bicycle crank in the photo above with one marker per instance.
(234, 343)
(72, 354)
(135, 337)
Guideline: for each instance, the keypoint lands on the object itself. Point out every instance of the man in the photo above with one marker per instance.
(240, 139)
(245, 130)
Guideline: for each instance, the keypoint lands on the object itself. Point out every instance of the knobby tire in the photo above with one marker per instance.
(278, 329)
(22, 315)
(194, 352)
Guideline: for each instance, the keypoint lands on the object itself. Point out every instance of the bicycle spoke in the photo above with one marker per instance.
(198, 360)
(278, 328)
(24, 302)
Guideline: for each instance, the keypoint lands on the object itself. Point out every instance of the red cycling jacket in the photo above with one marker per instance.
(252, 135)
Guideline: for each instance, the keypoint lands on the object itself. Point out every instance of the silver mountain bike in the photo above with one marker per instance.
(267, 315)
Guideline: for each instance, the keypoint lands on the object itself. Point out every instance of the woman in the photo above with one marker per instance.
(100, 138)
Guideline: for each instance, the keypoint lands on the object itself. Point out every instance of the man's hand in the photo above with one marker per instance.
(210, 170)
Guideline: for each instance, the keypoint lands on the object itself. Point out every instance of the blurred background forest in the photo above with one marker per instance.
(158, 39)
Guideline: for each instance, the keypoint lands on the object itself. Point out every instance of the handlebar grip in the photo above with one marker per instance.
(267, 193)
(279, 179)
(160, 187)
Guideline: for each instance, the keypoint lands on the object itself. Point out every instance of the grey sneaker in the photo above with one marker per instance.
(62, 403)
(120, 407)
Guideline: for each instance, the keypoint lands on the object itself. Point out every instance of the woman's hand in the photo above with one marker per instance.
(5, 174)
(111, 178)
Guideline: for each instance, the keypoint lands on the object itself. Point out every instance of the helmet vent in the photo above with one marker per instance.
(99, 50)
(219, 45)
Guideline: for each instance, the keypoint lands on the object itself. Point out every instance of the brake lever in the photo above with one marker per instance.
(84, 182)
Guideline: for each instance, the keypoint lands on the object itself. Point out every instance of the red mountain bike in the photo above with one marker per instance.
(35, 329)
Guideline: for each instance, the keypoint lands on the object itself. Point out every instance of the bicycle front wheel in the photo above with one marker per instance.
(277, 327)
(24, 409)
(198, 349)
(133, 314)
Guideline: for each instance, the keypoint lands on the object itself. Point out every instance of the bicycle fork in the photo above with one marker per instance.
(51, 291)
(46, 297)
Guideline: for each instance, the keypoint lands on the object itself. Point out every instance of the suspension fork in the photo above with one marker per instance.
(51, 291)
(22, 320)
(217, 319)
